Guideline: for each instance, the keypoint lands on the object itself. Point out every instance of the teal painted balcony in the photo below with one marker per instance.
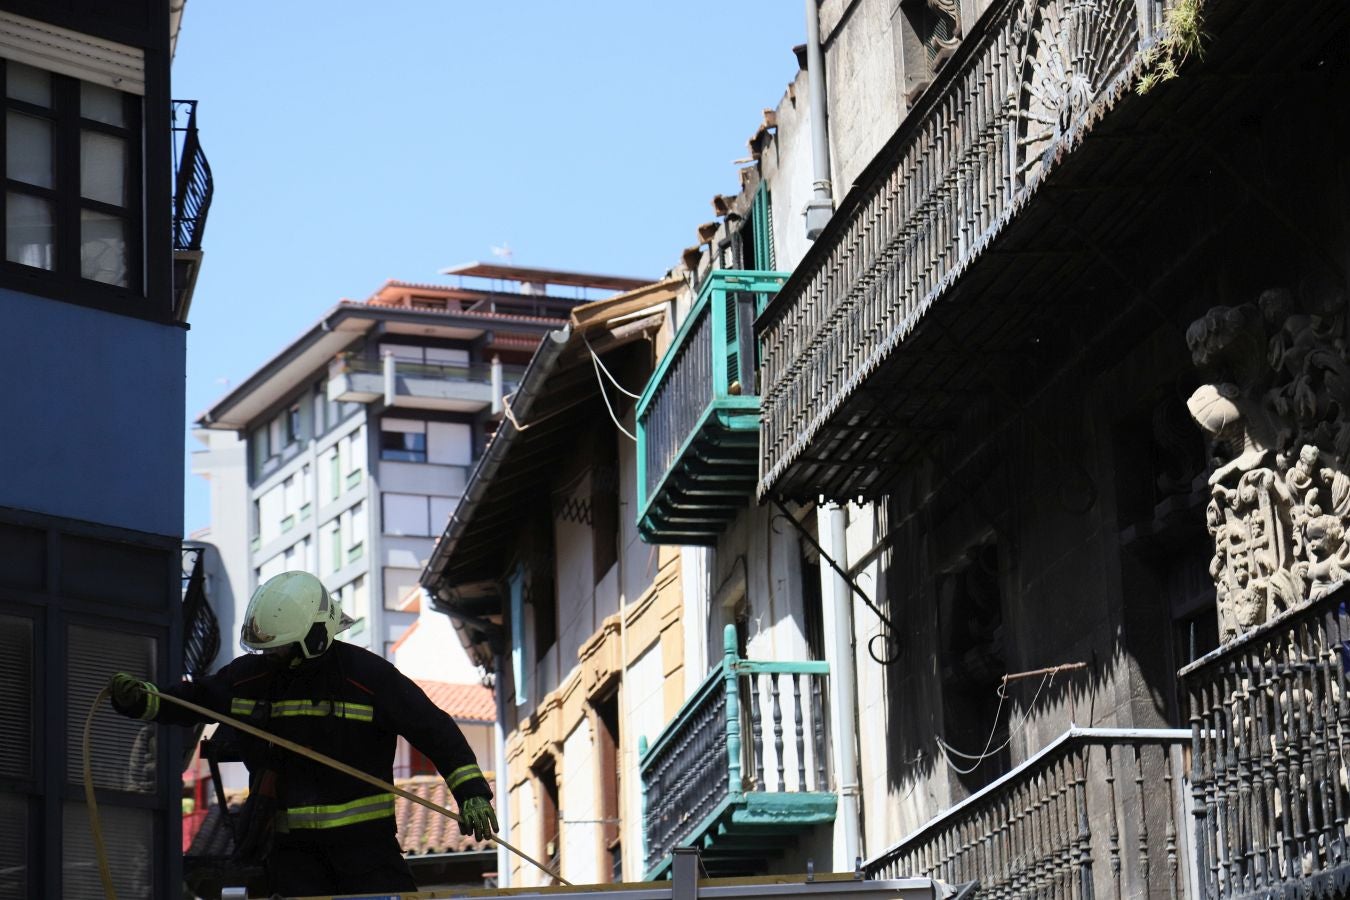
(698, 419)
(742, 770)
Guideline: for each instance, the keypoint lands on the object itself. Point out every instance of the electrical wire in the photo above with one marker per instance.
(595, 356)
(595, 362)
(948, 751)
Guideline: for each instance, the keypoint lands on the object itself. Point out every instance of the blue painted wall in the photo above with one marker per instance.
(91, 414)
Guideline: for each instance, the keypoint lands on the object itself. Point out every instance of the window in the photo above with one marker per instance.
(405, 515)
(293, 428)
(403, 446)
(72, 195)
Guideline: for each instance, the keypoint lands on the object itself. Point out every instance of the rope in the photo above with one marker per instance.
(279, 742)
(602, 365)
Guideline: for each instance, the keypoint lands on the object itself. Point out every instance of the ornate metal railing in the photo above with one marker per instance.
(731, 739)
(1018, 94)
(1097, 813)
(201, 628)
(1270, 717)
(193, 186)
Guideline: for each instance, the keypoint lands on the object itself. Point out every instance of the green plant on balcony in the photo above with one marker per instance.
(698, 419)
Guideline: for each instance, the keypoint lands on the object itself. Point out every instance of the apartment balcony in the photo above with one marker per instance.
(1098, 813)
(743, 768)
(468, 387)
(1270, 717)
(193, 189)
(938, 248)
(698, 419)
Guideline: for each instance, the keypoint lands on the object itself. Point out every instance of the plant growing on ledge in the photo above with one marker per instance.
(1183, 35)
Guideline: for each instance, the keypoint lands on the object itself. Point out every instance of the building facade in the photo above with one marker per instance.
(1000, 439)
(341, 454)
(91, 510)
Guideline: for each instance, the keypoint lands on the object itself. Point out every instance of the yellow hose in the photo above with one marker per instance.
(94, 825)
(314, 755)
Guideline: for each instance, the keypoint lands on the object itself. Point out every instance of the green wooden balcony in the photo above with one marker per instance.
(698, 419)
(742, 770)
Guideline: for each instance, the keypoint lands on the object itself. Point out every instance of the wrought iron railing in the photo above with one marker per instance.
(1017, 95)
(201, 628)
(1270, 716)
(1097, 813)
(732, 739)
(193, 186)
(711, 360)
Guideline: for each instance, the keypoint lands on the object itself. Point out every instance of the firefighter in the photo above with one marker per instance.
(315, 830)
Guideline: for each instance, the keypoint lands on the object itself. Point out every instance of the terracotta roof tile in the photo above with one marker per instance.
(421, 830)
(468, 702)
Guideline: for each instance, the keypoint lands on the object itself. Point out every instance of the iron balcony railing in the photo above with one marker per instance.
(731, 741)
(701, 406)
(1097, 813)
(193, 186)
(1270, 719)
(1023, 87)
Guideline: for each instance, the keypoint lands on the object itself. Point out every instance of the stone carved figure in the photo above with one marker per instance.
(1277, 410)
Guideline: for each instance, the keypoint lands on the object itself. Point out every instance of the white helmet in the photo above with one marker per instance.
(292, 608)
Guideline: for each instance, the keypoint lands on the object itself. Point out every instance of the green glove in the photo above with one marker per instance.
(131, 696)
(477, 816)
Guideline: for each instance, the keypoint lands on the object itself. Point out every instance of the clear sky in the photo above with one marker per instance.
(356, 142)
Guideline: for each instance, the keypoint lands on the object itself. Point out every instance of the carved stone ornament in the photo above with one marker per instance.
(1277, 411)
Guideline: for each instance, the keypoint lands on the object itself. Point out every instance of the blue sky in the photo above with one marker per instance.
(356, 142)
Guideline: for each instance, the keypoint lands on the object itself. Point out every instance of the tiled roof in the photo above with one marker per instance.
(465, 702)
(421, 830)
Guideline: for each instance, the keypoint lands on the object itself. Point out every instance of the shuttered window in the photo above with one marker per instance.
(123, 750)
(128, 835)
(14, 847)
(16, 700)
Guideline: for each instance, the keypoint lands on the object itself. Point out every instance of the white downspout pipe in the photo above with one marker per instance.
(843, 672)
(821, 205)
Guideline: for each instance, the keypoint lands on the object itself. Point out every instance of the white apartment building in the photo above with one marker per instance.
(357, 438)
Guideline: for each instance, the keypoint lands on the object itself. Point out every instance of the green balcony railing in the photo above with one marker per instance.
(698, 419)
(745, 757)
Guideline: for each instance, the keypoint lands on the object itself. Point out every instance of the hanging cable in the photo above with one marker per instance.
(595, 356)
(595, 362)
(948, 751)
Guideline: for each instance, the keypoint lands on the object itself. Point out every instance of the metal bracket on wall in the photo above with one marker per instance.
(889, 636)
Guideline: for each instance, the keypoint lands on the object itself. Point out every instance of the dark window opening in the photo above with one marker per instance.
(403, 446)
(813, 608)
(611, 784)
(293, 424)
(970, 616)
(546, 782)
(605, 503)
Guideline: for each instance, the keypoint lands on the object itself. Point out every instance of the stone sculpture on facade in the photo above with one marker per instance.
(1277, 411)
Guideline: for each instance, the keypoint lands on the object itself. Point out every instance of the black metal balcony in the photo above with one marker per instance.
(1098, 813)
(192, 192)
(1025, 87)
(1270, 718)
(740, 801)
